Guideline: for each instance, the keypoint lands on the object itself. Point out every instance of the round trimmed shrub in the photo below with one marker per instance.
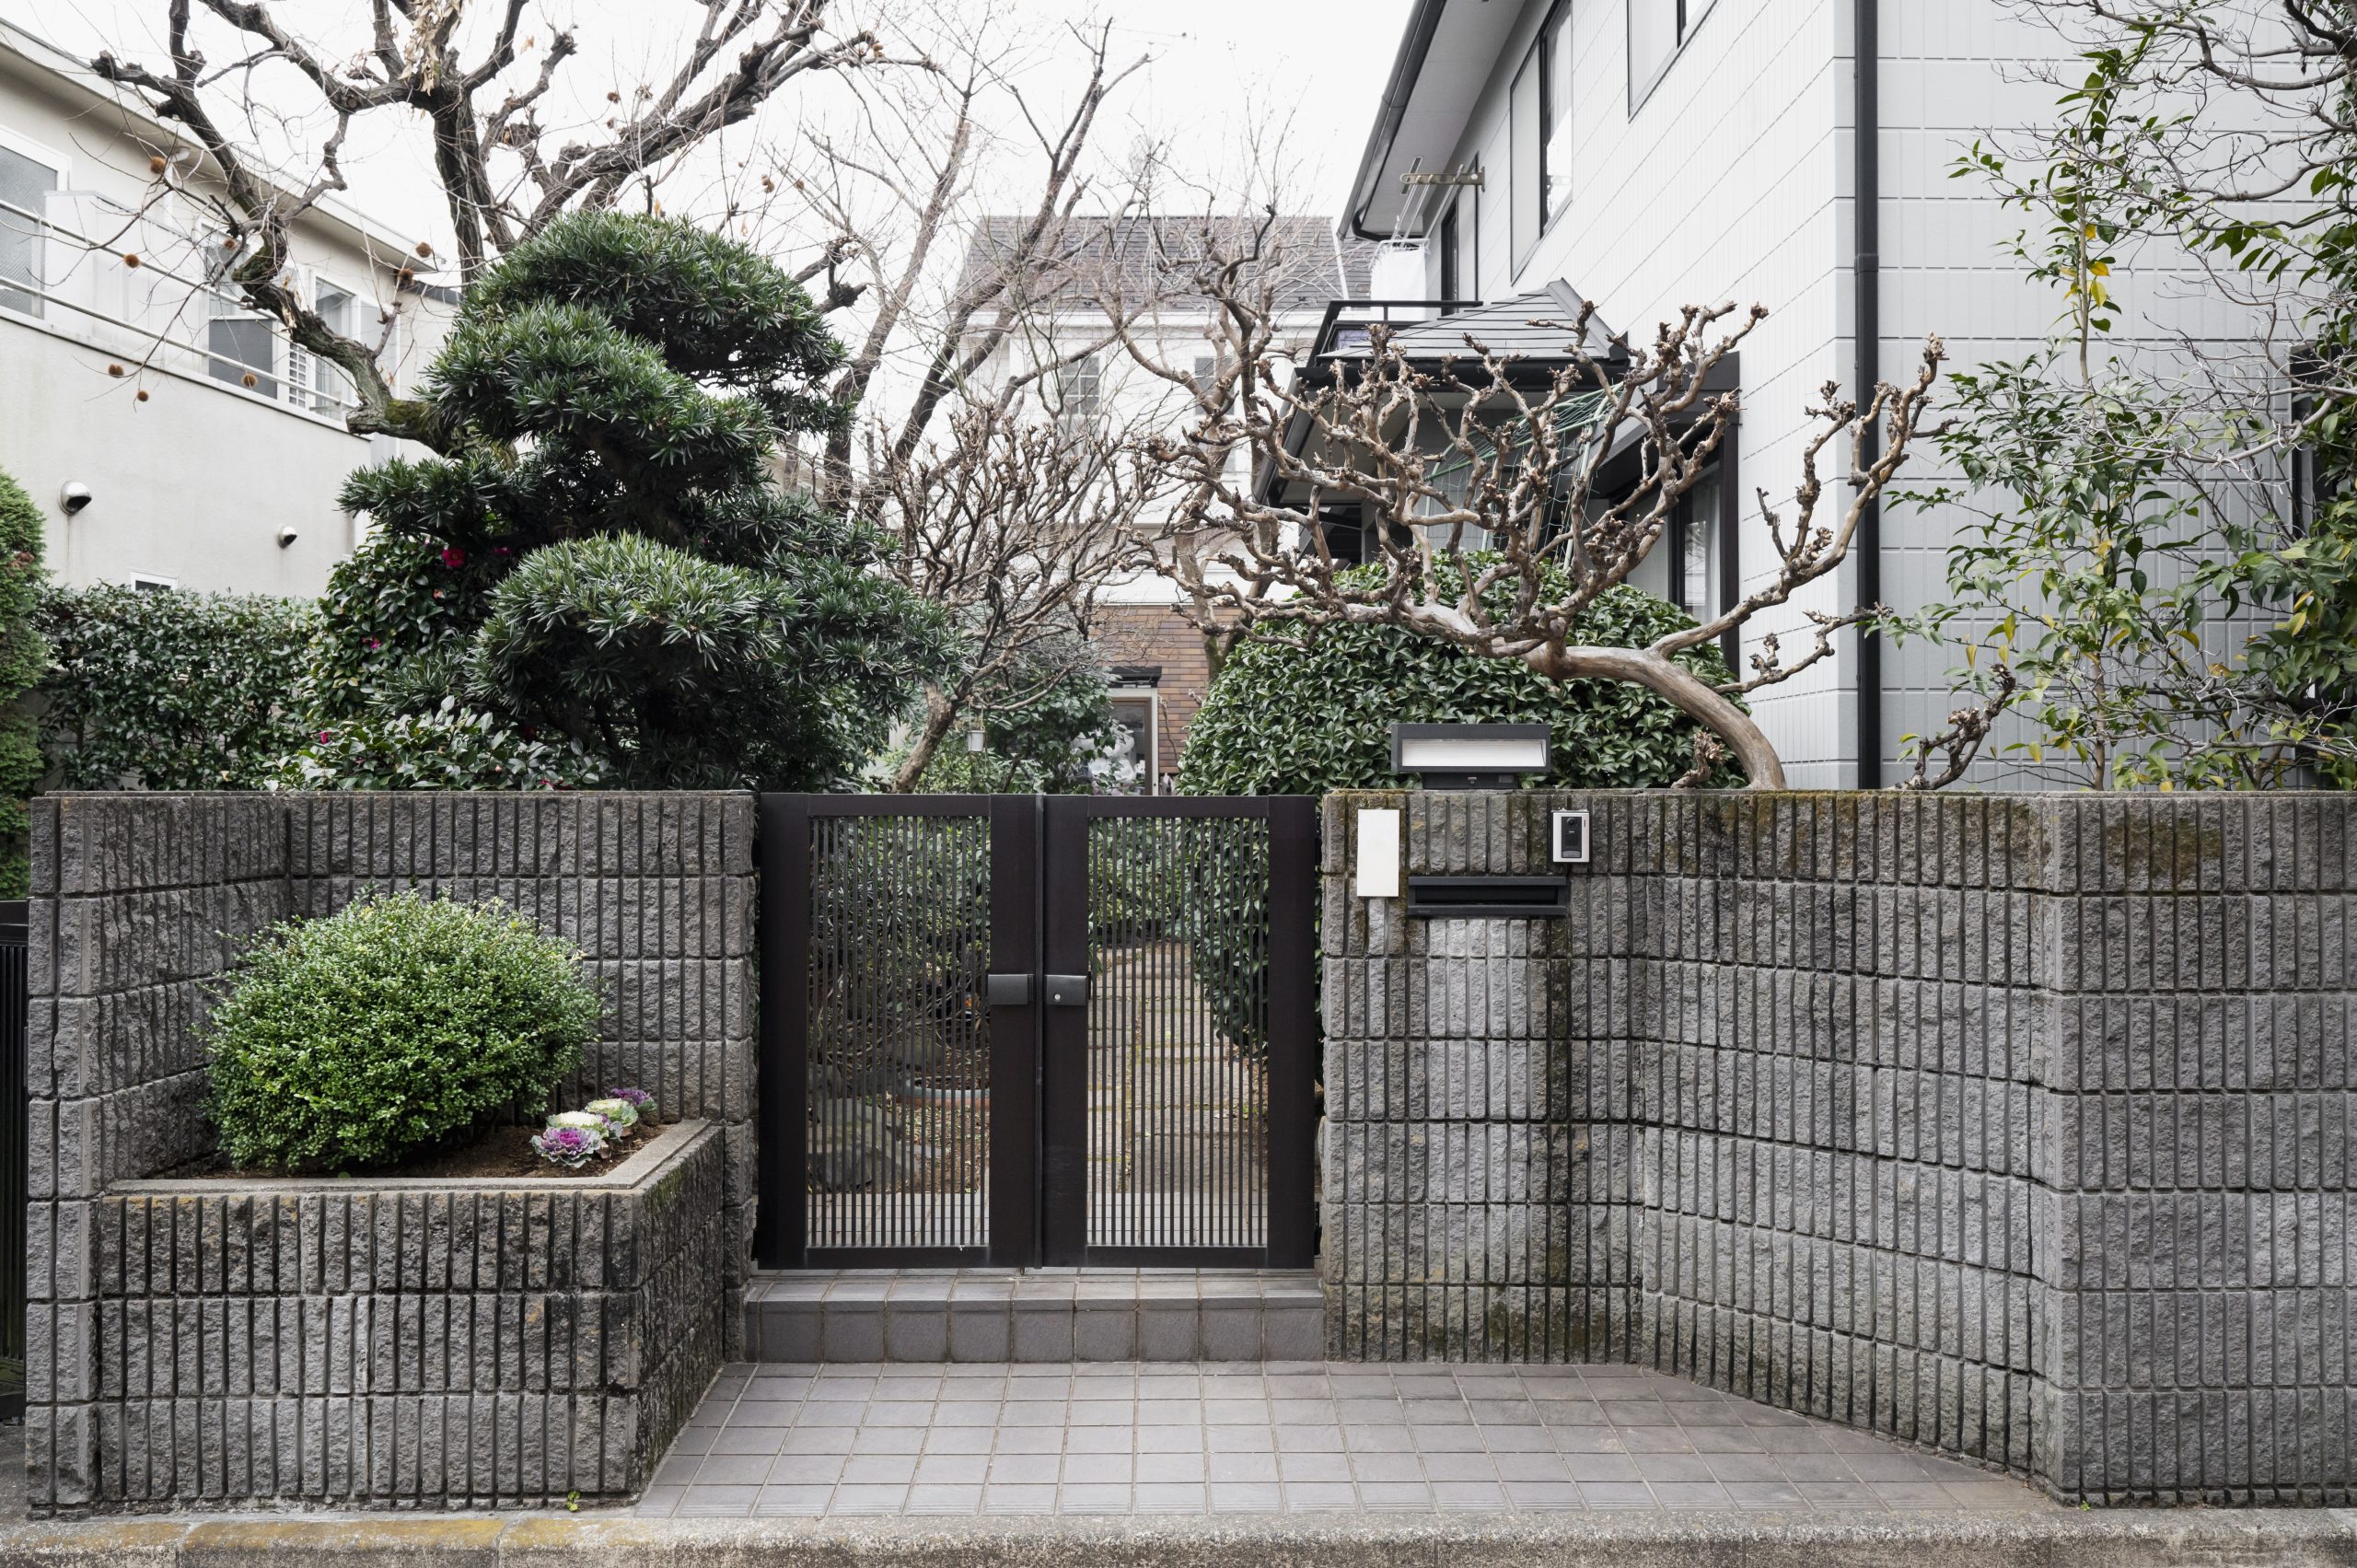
(390, 1027)
(1305, 710)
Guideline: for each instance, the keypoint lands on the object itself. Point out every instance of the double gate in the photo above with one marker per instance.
(1034, 1030)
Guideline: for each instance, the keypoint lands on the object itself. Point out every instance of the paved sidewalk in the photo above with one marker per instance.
(1224, 1437)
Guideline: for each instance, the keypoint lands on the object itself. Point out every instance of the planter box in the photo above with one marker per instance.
(357, 1343)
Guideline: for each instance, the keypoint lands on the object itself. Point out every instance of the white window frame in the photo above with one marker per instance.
(150, 583)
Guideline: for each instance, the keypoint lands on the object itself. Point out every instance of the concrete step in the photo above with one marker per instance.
(1035, 1315)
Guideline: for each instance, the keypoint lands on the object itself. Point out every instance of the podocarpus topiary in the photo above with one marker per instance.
(602, 564)
(1305, 710)
(24, 655)
(396, 1023)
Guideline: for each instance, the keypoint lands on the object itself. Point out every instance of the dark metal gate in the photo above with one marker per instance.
(1024, 1030)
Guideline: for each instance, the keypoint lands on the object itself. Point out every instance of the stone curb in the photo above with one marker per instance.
(2252, 1538)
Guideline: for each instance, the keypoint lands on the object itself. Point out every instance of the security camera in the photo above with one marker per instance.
(73, 495)
(287, 537)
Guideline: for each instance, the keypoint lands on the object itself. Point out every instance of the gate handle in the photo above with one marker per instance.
(1067, 989)
(1007, 990)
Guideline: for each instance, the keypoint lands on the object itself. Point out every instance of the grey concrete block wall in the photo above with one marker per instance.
(139, 900)
(2011, 1125)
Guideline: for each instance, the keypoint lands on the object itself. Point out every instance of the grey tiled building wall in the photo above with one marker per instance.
(2016, 1126)
(139, 900)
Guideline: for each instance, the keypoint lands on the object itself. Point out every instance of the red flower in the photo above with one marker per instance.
(326, 735)
(452, 556)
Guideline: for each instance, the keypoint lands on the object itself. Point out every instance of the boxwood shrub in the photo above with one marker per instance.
(394, 1025)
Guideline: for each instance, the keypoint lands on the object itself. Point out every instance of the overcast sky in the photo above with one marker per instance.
(1320, 62)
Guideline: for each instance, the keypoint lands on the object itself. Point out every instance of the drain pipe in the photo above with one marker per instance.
(1867, 281)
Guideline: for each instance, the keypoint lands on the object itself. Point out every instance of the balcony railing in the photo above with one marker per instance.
(162, 313)
(1345, 327)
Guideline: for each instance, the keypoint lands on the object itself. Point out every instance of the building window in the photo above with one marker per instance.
(148, 584)
(1555, 109)
(24, 186)
(1694, 548)
(1450, 283)
(1657, 30)
(1540, 113)
(1526, 130)
(1080, 388)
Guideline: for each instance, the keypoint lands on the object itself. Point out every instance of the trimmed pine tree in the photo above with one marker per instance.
(599, 580)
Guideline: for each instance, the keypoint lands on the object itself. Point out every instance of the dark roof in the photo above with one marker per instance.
(1087, 261)
(1534, 326)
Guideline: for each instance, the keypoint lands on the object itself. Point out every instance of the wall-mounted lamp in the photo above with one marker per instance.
(1468, 756)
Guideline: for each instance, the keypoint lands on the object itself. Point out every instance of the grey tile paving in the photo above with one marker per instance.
(1224, 1437)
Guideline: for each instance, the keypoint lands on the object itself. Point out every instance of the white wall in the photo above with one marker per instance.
(193, 484)
(1732, 181)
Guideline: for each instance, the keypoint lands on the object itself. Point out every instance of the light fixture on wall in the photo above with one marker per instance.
(1468, 756)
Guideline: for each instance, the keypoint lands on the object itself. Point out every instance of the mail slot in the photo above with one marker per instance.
(1517, 898)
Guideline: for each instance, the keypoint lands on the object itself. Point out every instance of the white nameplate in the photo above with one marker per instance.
(1378, 854)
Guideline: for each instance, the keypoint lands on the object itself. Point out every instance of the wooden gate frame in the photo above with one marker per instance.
(1038, 1128)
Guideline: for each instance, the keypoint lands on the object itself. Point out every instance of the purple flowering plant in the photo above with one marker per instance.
(571, 1147)
(638, 1100)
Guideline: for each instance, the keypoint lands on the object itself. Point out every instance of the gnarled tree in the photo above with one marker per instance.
(236, 73)
(1501, 451)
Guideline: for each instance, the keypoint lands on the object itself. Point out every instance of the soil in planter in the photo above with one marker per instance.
(504, 1152)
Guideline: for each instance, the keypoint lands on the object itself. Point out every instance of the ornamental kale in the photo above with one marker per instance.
(571, 1147)
(621, 1115)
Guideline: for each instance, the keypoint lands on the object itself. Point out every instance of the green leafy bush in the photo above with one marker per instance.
(393, 1025)
(24, 655)
(171, 691)
(1304, 710)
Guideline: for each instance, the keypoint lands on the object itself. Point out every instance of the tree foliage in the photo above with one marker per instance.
(2159, 589)
(603, 581)
(1307, 710)
(171, 691)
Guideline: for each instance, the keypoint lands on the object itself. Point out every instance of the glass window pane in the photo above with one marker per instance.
(241, 347)
(1555, 45)
(331, 387)
(1653, 39)
(24, 190)
(1528, 194)
(1699, 571)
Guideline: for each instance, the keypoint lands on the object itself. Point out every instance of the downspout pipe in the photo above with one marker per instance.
(1866, 281)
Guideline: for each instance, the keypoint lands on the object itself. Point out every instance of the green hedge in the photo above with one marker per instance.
(171, 691)
(23, 657)
(1309, 710)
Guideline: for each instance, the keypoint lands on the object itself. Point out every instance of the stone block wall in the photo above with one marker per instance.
(435, 1343)
(140, 900)
(2015, 1126)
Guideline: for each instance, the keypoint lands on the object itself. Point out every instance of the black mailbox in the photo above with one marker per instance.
(1519, 898)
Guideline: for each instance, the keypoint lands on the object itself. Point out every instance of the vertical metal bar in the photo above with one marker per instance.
(1014, 1033)
(1064, 1113)
(1292, 1028)
(783, 1085)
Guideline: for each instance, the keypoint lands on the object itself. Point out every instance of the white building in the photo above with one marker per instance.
(206, 450)
(1066, 315)
(1649, 154)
